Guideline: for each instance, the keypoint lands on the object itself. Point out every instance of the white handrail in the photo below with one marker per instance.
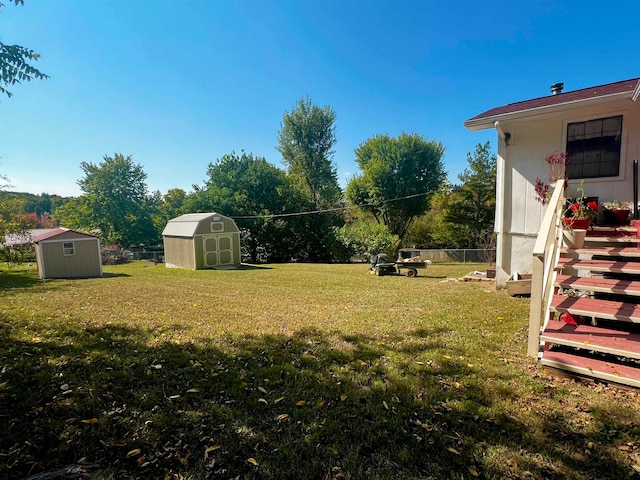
(546, 253)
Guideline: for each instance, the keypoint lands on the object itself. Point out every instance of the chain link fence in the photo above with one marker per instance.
(451, 254)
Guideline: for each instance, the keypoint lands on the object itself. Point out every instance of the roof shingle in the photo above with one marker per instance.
(568, 97)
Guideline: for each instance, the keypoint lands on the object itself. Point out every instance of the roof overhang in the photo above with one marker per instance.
(490, 121)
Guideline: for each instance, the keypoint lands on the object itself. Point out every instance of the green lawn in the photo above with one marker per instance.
(292, 371)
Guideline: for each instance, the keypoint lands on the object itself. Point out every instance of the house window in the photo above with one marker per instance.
(594, 147)
(68, 248)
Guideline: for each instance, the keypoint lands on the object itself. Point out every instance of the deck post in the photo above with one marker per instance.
(536, 310)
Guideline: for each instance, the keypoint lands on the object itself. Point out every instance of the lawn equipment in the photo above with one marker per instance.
(380, 265)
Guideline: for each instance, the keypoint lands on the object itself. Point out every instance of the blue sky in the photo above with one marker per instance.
(178, 84)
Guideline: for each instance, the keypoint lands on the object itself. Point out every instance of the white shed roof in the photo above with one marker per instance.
(186, 225)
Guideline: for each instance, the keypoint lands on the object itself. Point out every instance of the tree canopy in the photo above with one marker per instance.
(475, 201)
(14, 63)
(305, 140)
(114, 201)
(399, 176)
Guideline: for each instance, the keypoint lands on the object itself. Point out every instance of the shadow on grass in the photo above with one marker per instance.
(114, 275)
(17, 277)
(272, 407)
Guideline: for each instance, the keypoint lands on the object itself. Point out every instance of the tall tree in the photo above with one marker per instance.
(244, 185)
(399, 176)
(475, 201)
(14, 63)
(114, 201)
(306, 140)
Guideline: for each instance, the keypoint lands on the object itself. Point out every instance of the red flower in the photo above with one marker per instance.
(592, 205)
(575, 207)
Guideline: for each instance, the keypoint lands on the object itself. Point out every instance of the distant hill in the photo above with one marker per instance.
(32, 203)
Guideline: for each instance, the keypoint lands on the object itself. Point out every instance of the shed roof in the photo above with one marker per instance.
(58, 231)
(623, 89)
(186, 225)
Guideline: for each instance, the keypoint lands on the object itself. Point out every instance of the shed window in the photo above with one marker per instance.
(68, 248)
(217, 227)
(594, 147)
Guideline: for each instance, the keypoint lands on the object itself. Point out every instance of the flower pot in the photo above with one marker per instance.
(574, 238)
(620, 217)
(577, 223)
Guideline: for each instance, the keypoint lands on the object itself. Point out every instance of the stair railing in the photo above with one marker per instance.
(546, 253)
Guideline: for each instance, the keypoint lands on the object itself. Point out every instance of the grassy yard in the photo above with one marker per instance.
(292, 372)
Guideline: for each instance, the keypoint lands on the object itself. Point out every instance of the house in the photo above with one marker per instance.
(599, 126)
(64, 253)
(585, 298)
(201, 240)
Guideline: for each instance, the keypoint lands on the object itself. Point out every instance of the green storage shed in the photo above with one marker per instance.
(196, 241)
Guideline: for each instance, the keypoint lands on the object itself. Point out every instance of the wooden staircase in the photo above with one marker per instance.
(593, 328)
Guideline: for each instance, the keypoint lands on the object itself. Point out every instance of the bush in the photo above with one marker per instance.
(114, 255)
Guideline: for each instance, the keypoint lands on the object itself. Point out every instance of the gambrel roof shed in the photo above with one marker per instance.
(201, 240)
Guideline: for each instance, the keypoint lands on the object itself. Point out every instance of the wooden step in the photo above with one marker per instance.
(611, 239)
(600, 265)
(590, 367)
(608, 251)
(587, 337)
(600, 285)
(592, 307)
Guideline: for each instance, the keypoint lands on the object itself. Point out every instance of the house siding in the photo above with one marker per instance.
(522, 161)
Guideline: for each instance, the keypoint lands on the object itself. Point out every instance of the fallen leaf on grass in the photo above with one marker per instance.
(321, 404)
(362, 363)
(386, 405)
(343, 397)
(134, 452)
(210, 449)
(282, 416)
(173, 397)
(90, 420)
(453, 450)
(473, 472)
(193, 390)
(252, 461)
(262, 400)
(263, 390)
(278, 400)
(447, 357)
(301, 403)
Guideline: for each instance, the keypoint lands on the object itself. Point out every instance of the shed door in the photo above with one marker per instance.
(218, 250)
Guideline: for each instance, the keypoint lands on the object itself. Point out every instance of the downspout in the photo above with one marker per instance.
(501, 275)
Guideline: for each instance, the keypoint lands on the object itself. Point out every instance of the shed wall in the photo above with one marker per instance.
(179, 253)
(85, 261)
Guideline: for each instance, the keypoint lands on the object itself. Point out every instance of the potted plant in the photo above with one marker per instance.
(581, 212)
(619, 211)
